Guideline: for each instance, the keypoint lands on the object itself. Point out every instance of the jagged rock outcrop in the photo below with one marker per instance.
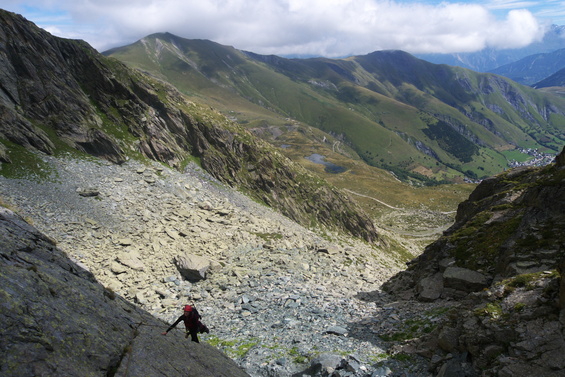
(55, 92)
(503, 260)
(510, 225)
(58, 320)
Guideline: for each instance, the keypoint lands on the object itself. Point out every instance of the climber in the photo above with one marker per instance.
(192, 323)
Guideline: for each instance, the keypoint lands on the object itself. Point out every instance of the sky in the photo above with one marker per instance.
(331, 28)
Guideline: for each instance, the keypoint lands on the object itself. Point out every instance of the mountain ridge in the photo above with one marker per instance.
(555, 80)
(392, 109)
(533, 68)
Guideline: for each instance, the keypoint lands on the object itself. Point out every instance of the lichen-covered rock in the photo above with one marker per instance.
(430, 287)
(503, 261)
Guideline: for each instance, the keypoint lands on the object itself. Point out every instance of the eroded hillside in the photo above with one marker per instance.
(60, 95)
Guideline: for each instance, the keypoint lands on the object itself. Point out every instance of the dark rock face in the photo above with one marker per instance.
(54, 90)
(503, 261)
(514, 328)
(57, 320)
(38, 89)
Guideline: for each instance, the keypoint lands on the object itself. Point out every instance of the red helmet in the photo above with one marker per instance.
(187, 308)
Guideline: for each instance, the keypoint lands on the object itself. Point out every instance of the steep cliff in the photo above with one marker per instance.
(503, 261)
(56, 94)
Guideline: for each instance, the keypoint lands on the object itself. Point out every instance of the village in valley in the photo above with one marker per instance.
(537, 158)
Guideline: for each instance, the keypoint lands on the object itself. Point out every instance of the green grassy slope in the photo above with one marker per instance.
(423, 121)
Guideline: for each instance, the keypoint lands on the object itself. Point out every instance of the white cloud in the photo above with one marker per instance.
(316, 27)
(519, 29)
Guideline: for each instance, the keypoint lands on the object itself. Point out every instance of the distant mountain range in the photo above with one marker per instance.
(555, 80)
(424, 121)
(530, 65)
(490, 59)
(534, 68)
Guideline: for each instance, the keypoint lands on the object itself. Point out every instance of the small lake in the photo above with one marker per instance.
(329, 167)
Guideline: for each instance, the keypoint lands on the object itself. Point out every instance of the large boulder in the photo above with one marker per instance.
(193, 267)
(132, 259)
(465, 280)
(430, 288)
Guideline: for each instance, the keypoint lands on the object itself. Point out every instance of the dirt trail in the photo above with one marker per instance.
(375, 199)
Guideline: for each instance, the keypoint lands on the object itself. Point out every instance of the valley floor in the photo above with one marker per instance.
(278, 295)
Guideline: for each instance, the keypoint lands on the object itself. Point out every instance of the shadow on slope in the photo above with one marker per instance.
(58, 320)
